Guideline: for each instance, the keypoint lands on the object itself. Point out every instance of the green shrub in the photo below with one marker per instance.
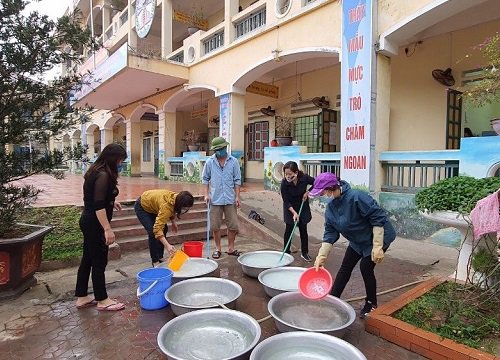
(65, 240)
(459, 193)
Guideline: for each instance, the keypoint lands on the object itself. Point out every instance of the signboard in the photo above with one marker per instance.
(263, 89)
(190, 20)
(356, 90)
(110, 67)
(225, 116)
(199, 113)
(144, 16)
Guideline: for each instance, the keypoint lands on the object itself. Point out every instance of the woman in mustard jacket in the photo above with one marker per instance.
(154, 208)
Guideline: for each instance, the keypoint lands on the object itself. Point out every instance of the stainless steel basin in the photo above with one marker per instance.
(292, 311)
(298, 345)
(202, 293)
(211, 334)
(282, 279)
(195, 267)
(254, 262)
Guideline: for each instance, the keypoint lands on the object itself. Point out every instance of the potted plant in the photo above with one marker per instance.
(283, 126)
(191, 138)
(31, 109)
(450, 202)
(197, 20)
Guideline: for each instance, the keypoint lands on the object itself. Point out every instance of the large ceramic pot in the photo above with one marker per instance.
(20, 258)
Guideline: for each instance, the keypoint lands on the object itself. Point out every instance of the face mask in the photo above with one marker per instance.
(119, 168)
(221, 153)
(291, 178)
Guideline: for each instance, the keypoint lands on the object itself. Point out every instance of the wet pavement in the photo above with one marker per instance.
(43, 323)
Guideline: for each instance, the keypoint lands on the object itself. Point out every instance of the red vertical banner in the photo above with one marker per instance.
(31, 258)
(4, 268)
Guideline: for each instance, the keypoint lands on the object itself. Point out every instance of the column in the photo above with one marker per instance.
(106, 137)
(167, 136)
(232, 124)
(132, 35)
(166, 28)
(90, 143)
(133, 148)
(383, 109)
(230, 9)
(106, 18)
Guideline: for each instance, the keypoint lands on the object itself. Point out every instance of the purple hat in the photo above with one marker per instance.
(323, 181)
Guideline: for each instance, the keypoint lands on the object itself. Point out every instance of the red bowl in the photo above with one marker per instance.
(314, 284)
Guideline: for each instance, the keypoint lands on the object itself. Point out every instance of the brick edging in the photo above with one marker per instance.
(381, 323)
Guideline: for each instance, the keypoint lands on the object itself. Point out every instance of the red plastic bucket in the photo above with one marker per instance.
(193, 248)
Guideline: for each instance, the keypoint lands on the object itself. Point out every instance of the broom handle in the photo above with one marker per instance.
(291, 235)
(208, 230)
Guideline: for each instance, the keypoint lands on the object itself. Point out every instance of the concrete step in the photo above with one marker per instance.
(129, 210)
(138, 229)
(140, 242)
(126, 220)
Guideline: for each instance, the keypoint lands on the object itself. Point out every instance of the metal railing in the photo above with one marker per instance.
(316, 167)
(124, 17)
(410, 177)
(250, 23)
(179, 57)
(213, 42)
(176, 168)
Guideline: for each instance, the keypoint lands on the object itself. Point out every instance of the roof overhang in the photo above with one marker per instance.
(439, 16)
(124, 78)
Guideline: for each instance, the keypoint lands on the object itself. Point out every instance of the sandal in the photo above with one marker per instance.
(216, 254)
(87, 304)
(234, 252)
(112, 307)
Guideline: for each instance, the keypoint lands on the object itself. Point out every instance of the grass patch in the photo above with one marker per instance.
(65, 240)
(450, 311)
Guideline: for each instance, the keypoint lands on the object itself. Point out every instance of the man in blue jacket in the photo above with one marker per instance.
(355, 215)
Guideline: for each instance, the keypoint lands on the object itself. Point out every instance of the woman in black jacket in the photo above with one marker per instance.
(294, 191)
(99, 193)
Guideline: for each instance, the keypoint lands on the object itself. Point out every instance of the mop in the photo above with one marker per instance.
(208, 230)
(291, 235)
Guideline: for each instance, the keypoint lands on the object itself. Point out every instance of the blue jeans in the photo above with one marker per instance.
(156, 248)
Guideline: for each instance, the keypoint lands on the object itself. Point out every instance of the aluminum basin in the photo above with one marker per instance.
(254, 262)
(195, 267)
(202, 293)
(282, 279)
(211, 334)
(298, 345)
(292, 311)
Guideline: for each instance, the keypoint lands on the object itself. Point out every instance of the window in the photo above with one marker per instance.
(146, 149)
(258, 139)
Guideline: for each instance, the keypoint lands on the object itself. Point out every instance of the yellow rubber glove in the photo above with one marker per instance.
(323, 253)
(378, 243)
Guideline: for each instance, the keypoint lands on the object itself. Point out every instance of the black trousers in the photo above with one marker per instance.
(304, 237)
(94, 259)
(366, 266)
(156, 248)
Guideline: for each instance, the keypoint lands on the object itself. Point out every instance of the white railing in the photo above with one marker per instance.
(252, 22)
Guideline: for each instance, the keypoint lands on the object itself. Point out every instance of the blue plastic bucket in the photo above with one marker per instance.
(153, 283)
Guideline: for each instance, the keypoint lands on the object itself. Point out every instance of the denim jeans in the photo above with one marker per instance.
(156, 248)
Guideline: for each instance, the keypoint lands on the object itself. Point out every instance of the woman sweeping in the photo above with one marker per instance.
(294, 192)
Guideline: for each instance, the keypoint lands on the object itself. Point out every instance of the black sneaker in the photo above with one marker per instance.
(306, 257)
(369, 307)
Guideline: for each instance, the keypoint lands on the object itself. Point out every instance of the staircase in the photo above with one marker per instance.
(131, 235)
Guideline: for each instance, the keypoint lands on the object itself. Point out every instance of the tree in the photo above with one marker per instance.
(486, 90)
(31, 109)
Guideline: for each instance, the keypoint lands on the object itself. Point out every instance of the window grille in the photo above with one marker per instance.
(308, 132)
(146, 150)
(252, 22)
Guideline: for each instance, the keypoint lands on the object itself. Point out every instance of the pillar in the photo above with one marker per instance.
(132, 35)
(106, 18)
(232, 124)
(133, 148)
(230, 9)
(90, 143)
(166, 28)
(167, 137)
(383, 109)
(106, 137)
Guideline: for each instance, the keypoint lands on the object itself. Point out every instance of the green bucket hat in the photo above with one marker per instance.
(219, 143)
